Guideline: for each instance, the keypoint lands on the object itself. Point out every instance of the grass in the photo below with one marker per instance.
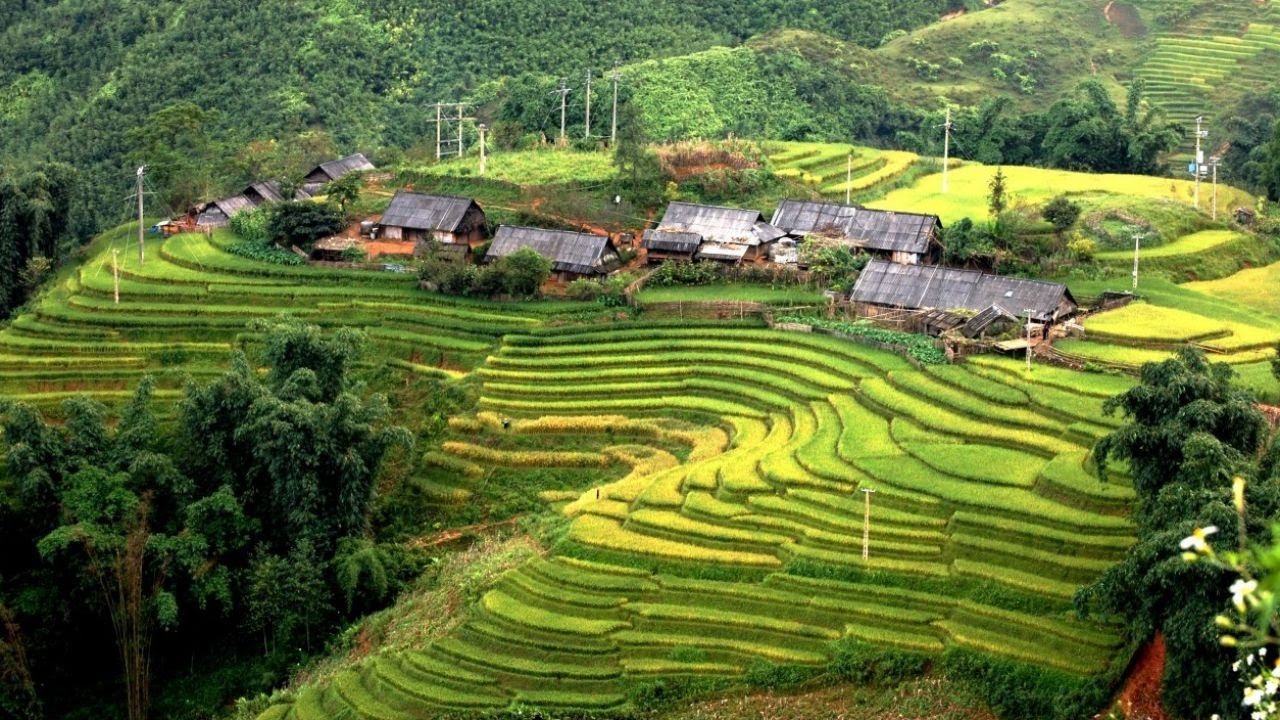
(1254, 288)
(969, 188)
(531, 167)
(1146, 322)
(1194, 244)
(731, 293)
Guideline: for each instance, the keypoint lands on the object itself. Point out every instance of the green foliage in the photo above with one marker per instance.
(1061, 213)
(268, 253)
(1024, 692)
(1190, 431)
(674, 272)
(251, 226)
(39, 218)
(837, 263)
(863, 663)
(920, 347)
(521, 273)
(302, 223)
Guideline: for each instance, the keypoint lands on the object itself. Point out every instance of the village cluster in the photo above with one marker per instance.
(904, 273)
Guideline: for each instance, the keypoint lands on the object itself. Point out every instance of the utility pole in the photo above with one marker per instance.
(1201, 133)
(1137, 242)
(141, 230)
(115, 273)
(482, 128)
(439, 125)
(1213, 163)
(459, 129)
(866, 524)
(848, 180)
(946, 151)
(1028, 339)
(440, 136)
(587, 132)
(613, 131)
(563, 92)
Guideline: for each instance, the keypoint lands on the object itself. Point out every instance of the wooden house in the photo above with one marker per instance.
(723, 233)
(218, 213)
(327, 172)
(885, 287)
(663, 246)
(572, 254)
(906, 238)
(424, 218)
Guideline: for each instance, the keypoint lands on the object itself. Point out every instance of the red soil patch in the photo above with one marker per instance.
(375, 248)
(1140, 698)
(1125, 18)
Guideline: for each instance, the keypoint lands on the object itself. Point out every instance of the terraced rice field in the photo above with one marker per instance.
(970, 187)
(731, 537)
(1222, 46)
(182, 311)
(829, 168)
(985, 519)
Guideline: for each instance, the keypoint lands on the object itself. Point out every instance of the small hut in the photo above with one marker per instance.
(422, 218)
(907, 238)
(327, 172)
(572, 254)
(717, 228)
(662, 246)
(886, 287)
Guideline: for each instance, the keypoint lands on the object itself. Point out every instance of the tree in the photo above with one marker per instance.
(1189, 432)
(640, 173)
(1061, 213)
(997, 202)
(967, 243)
(177, 145)
(523, 272)
(303, 222)
(345, 190)
(1268, 165)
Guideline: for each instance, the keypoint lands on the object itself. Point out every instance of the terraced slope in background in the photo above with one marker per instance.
(985, 518)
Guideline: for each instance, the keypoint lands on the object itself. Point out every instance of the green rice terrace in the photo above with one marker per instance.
(729, 534)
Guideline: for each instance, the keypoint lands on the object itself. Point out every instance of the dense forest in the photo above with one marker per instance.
(76, 76)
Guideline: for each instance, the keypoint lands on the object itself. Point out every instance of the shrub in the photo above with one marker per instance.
(862, 663)
(674, 272)
(1023, 692)
(302, 223)
(251, 225)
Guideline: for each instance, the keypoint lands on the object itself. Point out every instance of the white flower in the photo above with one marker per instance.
(1196, 540)
(1240, 590)
(1252, 696)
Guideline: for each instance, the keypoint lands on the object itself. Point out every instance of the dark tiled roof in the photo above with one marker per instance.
(883, 230)
(234, 204)
(719, 224)
(573, 252)
(673, 242)
(979, 323)
(928, 286)
(426, 212)
(335, 169)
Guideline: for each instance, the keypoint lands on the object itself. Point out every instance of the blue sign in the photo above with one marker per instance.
(1191, 168)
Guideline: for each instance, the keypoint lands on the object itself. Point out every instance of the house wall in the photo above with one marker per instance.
(905, 258)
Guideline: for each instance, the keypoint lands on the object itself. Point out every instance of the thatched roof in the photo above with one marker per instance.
(884, 230)
(574, 252)
(335, 169)
(934, 287)
(719, 224)
(671, 242)
(418, 211)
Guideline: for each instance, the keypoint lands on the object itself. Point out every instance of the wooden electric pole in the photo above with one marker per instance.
(439, 125)
(563, 92)
(482, 128)
(115, 273)
(613, 131)
(587, 133)
(848, 180)
(141, 229)
(1201, 133)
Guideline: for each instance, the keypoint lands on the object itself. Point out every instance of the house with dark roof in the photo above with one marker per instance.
(327, 172)
(422, 218)
(572, 254)
(907, 238)
(887, 286)
(664, 246)
(217, 213)
(723, 233)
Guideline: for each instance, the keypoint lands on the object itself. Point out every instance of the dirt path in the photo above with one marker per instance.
(1140, 698)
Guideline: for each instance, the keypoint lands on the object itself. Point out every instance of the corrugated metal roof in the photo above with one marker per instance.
(725, 252)
(573, 252)
(673, 242)
(979, 323)
(719, 224)
(884, 230)
(335, 169)
(417, 211)
(925, 286)
(234, 204)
